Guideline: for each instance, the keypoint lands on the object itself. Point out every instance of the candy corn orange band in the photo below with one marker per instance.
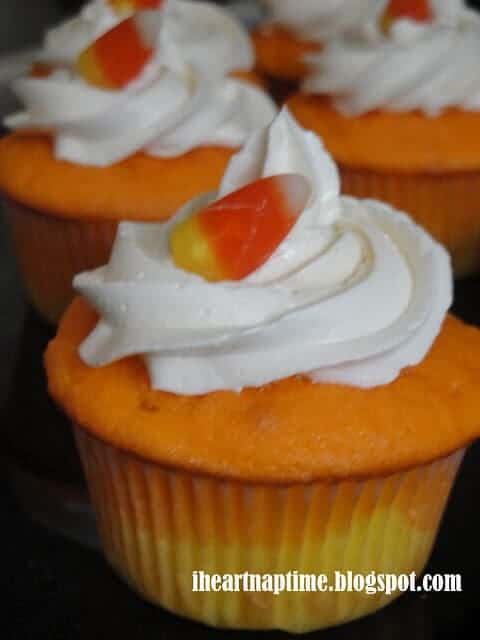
(41, 70)
(117, 57)
(419, 10)
(261, 220)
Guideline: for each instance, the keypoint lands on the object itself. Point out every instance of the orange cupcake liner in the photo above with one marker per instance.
(158, 525)
(51, 251)
(446, 204)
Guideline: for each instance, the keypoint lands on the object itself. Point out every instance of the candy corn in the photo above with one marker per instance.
(130, 6)
(234, 236)
(418, 10)
(41, 70)
(119, 56)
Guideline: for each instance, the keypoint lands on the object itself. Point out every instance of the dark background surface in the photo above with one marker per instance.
(54, 589)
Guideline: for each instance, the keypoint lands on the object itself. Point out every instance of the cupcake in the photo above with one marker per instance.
(145, 118)
(398, 109)
(295, 28)
(272, 391)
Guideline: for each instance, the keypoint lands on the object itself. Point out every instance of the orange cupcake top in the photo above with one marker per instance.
(289, 431)
(384, 141)
(141, 188)
(280, 53)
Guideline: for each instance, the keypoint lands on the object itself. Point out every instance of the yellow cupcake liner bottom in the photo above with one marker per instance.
(159, 525)
(51, 251)
(445, 204)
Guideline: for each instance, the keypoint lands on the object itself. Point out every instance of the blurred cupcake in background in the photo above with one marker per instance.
(294, 28)
(399, 109)
(143, 118)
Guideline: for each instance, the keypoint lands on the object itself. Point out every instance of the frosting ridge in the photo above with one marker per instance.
(354, 294)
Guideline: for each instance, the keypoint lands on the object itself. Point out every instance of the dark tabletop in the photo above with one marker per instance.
(56, 589)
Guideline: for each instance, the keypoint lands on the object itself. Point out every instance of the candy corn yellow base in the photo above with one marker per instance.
(158, 525)
(51, 251)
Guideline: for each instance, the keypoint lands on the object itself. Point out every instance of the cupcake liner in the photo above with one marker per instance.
(51, 251)
(158, 525)
(446, 204)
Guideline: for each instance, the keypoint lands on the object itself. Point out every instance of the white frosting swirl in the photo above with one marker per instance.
(354, 294)
(319, 20)
(427, 66)
(182, 100)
